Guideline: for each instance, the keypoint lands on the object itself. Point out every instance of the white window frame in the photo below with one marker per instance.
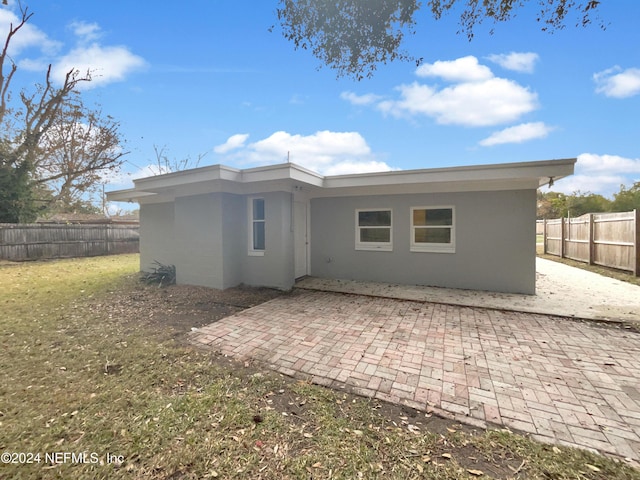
(253, 252)
(433, 247)
(374, 246)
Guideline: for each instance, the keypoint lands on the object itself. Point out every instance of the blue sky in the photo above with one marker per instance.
(209, 78)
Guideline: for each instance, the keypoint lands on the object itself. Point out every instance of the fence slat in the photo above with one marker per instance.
(38, 241)
(608, 239)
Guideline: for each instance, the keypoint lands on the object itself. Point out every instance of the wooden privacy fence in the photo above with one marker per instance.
(35, 241)
(608, 239)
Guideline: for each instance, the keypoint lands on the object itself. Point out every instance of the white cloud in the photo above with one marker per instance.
(601, 174)
(483, 103)
(149, 170)
(106, 64)
(617, 83)
(233, 142)
(33, 64)
(605, 185)
(121, 179)
(465, 69)
(475, 97)
(592, 162)
(325, 152)
(28, 36)
(518, 134)
(355, 99)
(86, 31)
(516, 61)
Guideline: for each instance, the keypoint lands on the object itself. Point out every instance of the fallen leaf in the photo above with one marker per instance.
(446, 455)
(477, 473)
(592, 467)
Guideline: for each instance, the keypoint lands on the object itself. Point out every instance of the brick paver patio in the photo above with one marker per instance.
(563, 381)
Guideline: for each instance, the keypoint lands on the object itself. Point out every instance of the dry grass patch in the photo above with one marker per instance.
(95, 363)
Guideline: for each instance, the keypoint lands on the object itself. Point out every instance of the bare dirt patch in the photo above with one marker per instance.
(179, 308)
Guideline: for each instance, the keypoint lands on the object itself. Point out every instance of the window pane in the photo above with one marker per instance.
(258, 208)
(258, 236)
(433, 216)
(432, 235)
(375, 235)
(381, 218)
(419, 217)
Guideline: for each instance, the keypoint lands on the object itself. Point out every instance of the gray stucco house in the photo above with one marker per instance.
(461, 227)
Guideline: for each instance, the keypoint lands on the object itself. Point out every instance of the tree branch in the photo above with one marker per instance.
(5, 82)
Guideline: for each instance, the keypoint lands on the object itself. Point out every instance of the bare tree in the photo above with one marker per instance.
(77, 152)
(59, 148)
(166, 165)
(41, 109)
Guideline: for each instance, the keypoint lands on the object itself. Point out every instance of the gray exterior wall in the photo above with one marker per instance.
(495, 242)
(234, 238)
(199, 254)
(206, 237)
(157, 242)
(275, 268)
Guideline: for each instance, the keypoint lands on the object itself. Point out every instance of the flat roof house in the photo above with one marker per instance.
(462, 227)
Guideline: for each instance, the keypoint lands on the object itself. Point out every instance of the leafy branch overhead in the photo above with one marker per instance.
(354, 36)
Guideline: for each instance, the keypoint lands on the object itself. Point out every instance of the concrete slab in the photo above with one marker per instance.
(560, 290)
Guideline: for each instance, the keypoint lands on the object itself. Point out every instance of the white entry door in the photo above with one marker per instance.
(300, 241)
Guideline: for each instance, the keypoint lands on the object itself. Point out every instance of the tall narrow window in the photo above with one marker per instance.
(432, 229)
(257, 238)
(373, 230)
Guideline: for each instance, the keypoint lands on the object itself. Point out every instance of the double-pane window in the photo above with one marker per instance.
(373, 229)
(432, 229)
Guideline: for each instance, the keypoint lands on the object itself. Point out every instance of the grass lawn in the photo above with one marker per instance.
(86, 371)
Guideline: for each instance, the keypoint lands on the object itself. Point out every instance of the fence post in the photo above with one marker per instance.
(562, 237)
(592, 244)
(544, 236)
(106, 238)
(636, 243)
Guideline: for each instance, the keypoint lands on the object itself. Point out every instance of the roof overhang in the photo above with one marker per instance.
(289, 176)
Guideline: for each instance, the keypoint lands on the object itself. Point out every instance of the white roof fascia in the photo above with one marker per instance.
(202, 174)
(282, 171)
(509, 171)
(436, 187)
(289, 176)
(126, 195)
